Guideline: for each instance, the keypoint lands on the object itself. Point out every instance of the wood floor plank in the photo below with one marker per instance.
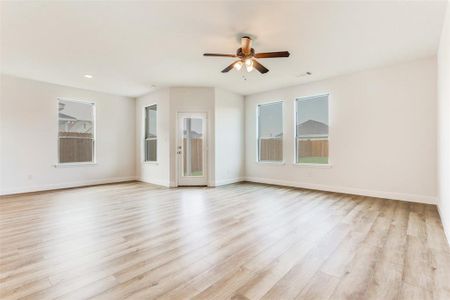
(249, 233)
(320, 287)
(302, 273)
(355, 281)
(386, 280)
(241, 241)
(418, 269)
(413, 292)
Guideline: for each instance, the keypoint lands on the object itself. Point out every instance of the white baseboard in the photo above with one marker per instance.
(445, 224)
(163, 183)
(347, 190)
(57, 186)
(228, 181)
(210, 183)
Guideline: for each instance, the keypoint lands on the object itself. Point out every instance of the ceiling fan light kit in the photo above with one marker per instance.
(247, 57)
(238, 65)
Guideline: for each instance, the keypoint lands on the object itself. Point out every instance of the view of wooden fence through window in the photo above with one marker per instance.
(75, 131)
(150, 149)
(270, 149)
(312, 151)
(193, 147)
(312, 130)
(193, 158)
(75, 147)
(270, 132)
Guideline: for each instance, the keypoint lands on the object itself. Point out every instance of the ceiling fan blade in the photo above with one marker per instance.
(272, 54)
(219, 54)
(227, 69)
(246, 45)
(259, 67)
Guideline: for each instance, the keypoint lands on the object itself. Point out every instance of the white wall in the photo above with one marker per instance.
(444, 124)
(154, 172)
(28, 137)
(229, 137)
(382, 134)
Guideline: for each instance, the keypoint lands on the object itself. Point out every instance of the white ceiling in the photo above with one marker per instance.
(131, 46)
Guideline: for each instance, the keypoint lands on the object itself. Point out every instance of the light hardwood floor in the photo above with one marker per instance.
(242, 241)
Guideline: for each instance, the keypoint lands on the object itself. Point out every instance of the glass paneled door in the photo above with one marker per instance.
(191, 149)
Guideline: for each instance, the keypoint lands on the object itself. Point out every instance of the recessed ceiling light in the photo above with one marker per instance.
(304, 74)
(88, 76)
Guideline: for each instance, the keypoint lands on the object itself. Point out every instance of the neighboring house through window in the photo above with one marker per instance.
(270, 132)
(76, 131)
(312, 130)
(150, 143)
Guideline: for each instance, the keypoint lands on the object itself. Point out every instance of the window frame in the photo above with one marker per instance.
(144, 139)
(94, 134)
(315, 165)
(278, 162)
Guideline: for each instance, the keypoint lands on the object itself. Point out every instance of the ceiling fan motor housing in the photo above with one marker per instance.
(242, 56)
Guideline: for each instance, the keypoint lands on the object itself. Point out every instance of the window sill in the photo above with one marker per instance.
(80, 164)
(271, 162)
(320, 166)
(150, 163)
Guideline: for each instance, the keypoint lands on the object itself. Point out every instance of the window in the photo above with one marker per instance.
(150, 142)
(311, 138)
(270, 132)
(76, 131)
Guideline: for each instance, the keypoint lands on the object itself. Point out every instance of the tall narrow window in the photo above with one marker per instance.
(76, 131)
(150, 143)
(312, 130)
(270, 132)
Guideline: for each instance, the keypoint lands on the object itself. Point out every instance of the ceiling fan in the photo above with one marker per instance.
(247, 57)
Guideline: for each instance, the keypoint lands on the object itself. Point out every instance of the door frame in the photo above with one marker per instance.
(178, 143)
